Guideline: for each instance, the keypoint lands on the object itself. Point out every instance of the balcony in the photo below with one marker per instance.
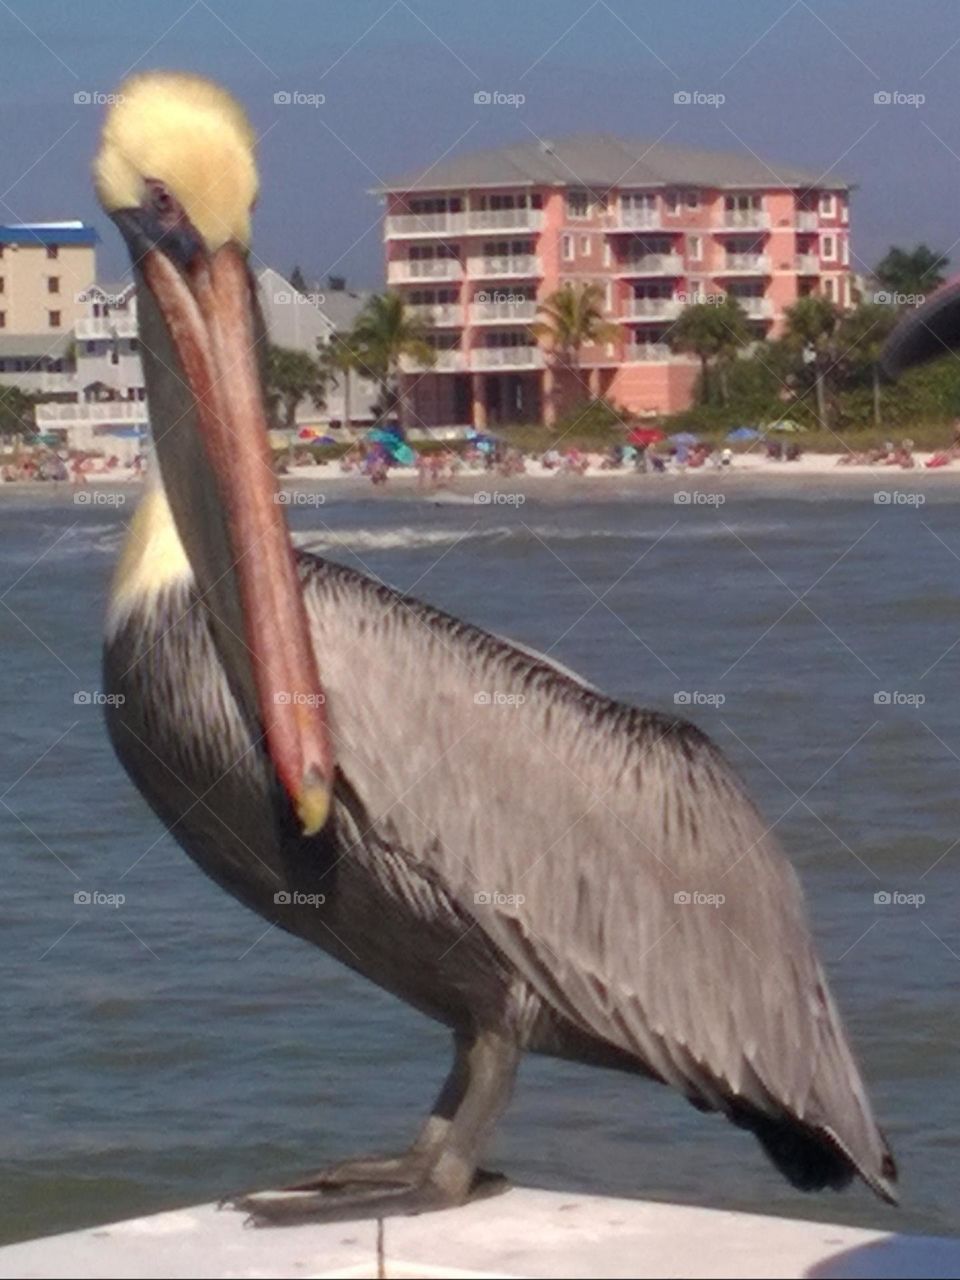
(403, 270)
(527, 357)
(755, 308)
(513, 264)
(746, 219)
(104, 413)
(652, 264)
(94, 328)
(649, 352)
(446, 362)
(630, 218)
(808, 220)
(652, 309)
(807, 264)
(745, 264)
(439, 314)
(405, 225)
(520, 312)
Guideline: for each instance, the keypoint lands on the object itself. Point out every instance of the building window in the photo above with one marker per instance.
(91, 348)
(828, 204)
(566, 248)
(578, 204)
(830, 288)
(53, 251)
(695, 246)
(53, 319)
(1, 250)
(672, 201)
(2, 284)
(584, 246)
(53, 284)
(693, 199)
(607, 254)
(828, 249)
(3, 319)
(845, 251)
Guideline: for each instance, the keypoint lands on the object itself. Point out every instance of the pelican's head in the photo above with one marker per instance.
(176, 173)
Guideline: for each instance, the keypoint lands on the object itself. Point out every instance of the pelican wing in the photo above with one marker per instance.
(611, 853)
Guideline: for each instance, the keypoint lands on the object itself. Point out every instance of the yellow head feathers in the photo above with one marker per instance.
(189, 134)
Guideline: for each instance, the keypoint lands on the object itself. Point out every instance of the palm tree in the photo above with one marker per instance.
(384, 333)
(714, 333)
(861, 336)
(572, 317)
(292, 376)
(340, 358)
(911, 273)
(812, 332)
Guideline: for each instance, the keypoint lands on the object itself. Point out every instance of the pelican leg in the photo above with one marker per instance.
(439, 1171)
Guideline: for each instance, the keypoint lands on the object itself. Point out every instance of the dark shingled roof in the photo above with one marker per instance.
(601, 161)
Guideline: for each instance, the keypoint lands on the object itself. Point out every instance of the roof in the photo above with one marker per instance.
(298, 319)
(74, 232)
(51, 346)
(602, 161)
(107, 289)
(342, 306)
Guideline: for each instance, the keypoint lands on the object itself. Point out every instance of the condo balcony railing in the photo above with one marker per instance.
(630, 217)
(402, 270)
(652, 264)
(452, 361)
(649, 352)
(503, 311)
(102, 413)
(119, 325)
(757, 308)
(525, 357)
(511, 264)
(438, 313)
(463, 223)
(808, 264)
(745, 264)
(652, 308)
(807, 220)
(746, 219)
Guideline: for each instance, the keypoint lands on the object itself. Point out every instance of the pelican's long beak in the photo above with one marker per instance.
(206, 301)
(926, 332)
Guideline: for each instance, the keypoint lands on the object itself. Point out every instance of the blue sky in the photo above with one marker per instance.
(799, 81)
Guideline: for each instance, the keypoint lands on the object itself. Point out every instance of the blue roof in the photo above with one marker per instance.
(48, 233)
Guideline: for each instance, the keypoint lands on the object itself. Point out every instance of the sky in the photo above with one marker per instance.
(383, 86)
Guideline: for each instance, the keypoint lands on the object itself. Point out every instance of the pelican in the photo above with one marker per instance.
(534, 865)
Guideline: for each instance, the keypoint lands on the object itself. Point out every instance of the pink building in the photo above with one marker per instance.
(474, 243)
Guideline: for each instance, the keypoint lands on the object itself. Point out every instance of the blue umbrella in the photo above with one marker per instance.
(743, 433)
(684, 437)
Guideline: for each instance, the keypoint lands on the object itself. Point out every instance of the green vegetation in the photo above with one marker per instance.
(16, 412)
(572, 317)
(715, 333)
(385, 333)
(291, 377)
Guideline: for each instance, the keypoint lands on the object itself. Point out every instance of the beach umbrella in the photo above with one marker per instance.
(645, 435)
(785, 424)
(744, 433)
(684, 437)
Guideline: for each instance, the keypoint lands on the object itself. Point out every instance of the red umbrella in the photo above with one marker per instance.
(645, 435)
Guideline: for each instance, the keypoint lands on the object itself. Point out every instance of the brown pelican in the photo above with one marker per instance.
(532, 864)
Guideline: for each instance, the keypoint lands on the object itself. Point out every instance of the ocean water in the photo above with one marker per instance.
(171, 1049)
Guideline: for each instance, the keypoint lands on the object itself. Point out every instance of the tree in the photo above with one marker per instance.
(291, 377)
(861, 336)
(911, 273)
(339, 357)
(384, 333)
(16, 412)
(572, 317)
(297, 282)
(812, 334)
(715, 333)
